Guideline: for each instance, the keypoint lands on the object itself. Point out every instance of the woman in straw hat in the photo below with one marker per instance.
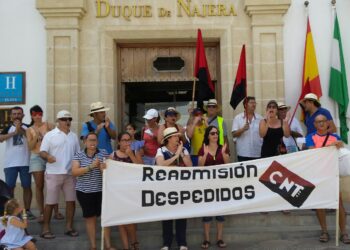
(172, 153)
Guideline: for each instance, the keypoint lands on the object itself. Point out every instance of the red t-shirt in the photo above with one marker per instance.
(217, 159)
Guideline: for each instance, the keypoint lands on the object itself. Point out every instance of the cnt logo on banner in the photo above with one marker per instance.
(138, 193)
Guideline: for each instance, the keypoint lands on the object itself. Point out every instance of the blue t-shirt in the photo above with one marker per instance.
(137, 145)
(309, 120)
(104, 140)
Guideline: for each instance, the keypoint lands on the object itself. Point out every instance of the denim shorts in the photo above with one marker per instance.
(219, 218)
(11, 174)
(36, 163)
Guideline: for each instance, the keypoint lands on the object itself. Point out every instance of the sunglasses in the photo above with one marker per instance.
(66, 119)
(214, 133)
(212, 106)
(272, 107)
(320, 121)
(34, 113)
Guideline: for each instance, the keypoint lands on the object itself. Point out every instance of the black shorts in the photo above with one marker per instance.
(90, 203)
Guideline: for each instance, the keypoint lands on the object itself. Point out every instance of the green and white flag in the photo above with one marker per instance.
(338, 87)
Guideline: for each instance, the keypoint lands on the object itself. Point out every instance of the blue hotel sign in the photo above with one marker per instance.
(12, 88)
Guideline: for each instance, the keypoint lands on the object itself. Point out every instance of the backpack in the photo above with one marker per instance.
(91, 129)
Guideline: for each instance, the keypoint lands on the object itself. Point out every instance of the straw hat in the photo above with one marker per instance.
(63, 114)
(169, 132)
(97, 107)
(311, 97)
(212, 102)
(170, 111)
(281, 105)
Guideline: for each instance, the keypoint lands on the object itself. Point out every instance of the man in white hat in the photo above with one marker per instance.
(57, 149)
(101, 125)
(215, 120)
(312, 107)
(295, 128)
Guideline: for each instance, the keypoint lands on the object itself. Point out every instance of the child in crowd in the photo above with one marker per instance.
(15, 237)
(136, 145)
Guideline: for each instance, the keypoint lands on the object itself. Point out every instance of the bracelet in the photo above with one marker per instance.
(89, 168)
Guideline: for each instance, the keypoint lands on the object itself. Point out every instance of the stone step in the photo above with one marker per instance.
(295, 218)
(246, 231)
(233, 237)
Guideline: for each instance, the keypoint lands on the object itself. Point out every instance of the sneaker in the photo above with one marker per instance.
(165, 248)
(30, 215)
(183, 248)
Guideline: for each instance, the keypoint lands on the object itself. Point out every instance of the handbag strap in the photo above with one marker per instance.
(325, 140)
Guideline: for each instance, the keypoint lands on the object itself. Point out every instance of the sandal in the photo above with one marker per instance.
(345, 238)
(47, 235)
(205, 244)
(72, 233)
(221, 244)
(324, 237)
(58, 216)
(135, 246)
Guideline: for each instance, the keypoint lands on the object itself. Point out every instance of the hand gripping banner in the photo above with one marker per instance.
(139, 193)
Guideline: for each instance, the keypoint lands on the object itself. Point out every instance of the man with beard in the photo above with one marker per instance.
(101, 125)
(17, 157)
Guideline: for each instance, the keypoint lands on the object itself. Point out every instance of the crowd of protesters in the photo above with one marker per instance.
(52, 154)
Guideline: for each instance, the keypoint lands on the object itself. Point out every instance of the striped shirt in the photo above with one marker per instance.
(91, 181)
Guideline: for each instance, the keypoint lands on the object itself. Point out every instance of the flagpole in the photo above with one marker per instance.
(193, 91)
(336, 112)
(338, 126)
(102, 237)
(306, 4)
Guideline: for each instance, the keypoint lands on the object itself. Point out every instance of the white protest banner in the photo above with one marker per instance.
(137, 193)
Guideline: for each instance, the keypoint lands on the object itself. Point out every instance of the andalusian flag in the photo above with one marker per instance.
(311, 79)
(338, 87)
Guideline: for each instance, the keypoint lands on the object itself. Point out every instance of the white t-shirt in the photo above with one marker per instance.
(249, 143)
(165, 149)
(63, 147)
(289, 142)
(17, 153)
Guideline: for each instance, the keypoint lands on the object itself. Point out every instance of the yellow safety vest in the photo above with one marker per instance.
(221, 130)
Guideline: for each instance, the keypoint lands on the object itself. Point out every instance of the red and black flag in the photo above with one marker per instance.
(239, 91)
(206, 87)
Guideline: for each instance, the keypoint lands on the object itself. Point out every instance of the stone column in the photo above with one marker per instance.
(62, 25)
(267, 41)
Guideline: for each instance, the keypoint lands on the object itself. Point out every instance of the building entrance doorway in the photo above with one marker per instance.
(160, 76)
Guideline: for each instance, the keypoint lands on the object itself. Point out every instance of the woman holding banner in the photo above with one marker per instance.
(212, 153)
(172, 153)
(87, 166)
(124, 153)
